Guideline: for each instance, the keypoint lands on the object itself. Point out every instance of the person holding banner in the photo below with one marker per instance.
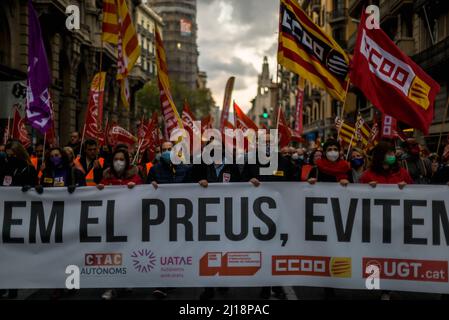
(58, 172)
(306, 169)
(121, 173)
(221, 172)
(16, 170)
(165, 171)
(358, 165)
(331, 168)
(385, 168)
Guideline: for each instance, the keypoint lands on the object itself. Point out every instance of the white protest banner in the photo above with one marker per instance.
(281, 234)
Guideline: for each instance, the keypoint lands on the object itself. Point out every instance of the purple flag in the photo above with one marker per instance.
(39, 110)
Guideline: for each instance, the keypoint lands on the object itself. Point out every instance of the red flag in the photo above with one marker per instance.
(188, 121)
(169, 111)
(229, 144)
(206, 123)
(226, 103)
(299, 110)
(149, 135)
(94, 114)
(284, 130)
(392, 81)
(389, 126)
(118, 135)
(242, 121)
(19, 131)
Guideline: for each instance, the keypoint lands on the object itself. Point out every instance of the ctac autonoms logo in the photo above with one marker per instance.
(103, 264)
(408, 269)
(336, 267)
(143, 260)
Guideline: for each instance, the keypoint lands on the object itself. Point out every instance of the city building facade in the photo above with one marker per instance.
(180, 38)
(264, 104)
(74, 57)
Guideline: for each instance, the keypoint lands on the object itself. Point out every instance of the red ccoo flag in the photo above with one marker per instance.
(392, 81)
(242, 121)
(206, 123)
(118, 135)
(188, 121)
(148, 135)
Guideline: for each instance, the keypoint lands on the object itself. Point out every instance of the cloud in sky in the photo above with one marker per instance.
(233, 38)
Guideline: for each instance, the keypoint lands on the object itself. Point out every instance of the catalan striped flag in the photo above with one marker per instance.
(171, 115)
(128, 49)
(347, 132)
(358, 135)
(307, 51)
(118, 29)
(110, 22)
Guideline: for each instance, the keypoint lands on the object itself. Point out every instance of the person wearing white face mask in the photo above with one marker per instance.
(331, 168)
(121, 172)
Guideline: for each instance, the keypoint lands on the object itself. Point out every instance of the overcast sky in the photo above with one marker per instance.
(233, 38)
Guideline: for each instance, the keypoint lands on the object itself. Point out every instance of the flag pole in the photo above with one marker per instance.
(43, 148)
(138, 151)
(442, 126)
(8, 130)
(343, 109)
(100, 121)
(82, 141)
(350, 146)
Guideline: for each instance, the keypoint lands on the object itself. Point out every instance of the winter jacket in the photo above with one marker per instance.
(131, 175)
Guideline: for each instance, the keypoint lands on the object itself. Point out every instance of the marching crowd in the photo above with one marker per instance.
(89, 164)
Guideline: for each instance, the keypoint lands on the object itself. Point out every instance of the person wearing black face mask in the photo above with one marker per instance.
(16, 170)
(297, 162)
(358, 165)
(59, 173)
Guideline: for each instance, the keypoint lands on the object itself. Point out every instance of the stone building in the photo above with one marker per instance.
(264, 104)
(73, 55)
(180, 38)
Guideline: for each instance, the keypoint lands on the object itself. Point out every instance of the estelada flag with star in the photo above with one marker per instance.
(391, 80)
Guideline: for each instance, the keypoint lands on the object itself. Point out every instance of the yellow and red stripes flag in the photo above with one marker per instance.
(307, 51)
(358, 135)
(128, 49)
(110, 22)
(171, 115)
(118, 29)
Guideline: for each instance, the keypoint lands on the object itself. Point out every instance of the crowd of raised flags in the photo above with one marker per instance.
(388, 78)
